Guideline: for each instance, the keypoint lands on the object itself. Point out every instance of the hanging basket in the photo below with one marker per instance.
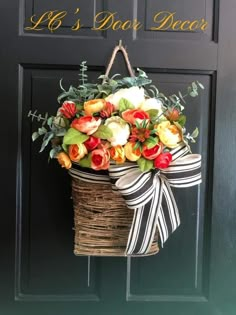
(121, 186)
(101, 220)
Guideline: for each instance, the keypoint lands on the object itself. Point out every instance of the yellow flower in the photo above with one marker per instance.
(130, 153)
(64, 160)
(118, 154)
(94, 106)
(169, 134)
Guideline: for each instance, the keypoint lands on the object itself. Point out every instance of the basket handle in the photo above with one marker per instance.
(118, 48)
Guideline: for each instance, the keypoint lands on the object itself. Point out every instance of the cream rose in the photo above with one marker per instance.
(169, 134)
(152, 103)
(134, 95)
(120, 130)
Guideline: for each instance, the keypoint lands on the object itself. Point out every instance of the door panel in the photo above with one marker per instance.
(194, 273)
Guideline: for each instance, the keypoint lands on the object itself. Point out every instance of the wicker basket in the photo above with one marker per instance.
(101, 220)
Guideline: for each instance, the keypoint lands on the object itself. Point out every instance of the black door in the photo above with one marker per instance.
(195, 272)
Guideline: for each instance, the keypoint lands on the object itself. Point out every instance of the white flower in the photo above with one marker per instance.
(120, 130)
(152, 103)
(134, 94)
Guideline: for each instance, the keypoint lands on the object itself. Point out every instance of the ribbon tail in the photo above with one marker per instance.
(144, 223)
(168, 219)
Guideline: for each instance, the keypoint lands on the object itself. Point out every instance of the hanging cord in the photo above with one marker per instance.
(118, 48)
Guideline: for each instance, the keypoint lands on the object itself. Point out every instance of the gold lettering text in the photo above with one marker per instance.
(107, 20)
(164, 19)
(42, 19)
(77, 26)
(176, 25)
(182, 27)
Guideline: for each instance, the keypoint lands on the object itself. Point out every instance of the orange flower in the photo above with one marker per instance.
(64, 160)
(100, 159)
(130, 153)
(77, 152)
(152, 153)
(118, 154)
(86, 124)
(133, 115)
(94, 106)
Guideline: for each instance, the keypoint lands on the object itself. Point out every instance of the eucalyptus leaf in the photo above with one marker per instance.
(48, 136)
(200, 85)
(42, 131)
(181, 97)
(35, 135)
(195, 133)
(193, 93)
(54, 152)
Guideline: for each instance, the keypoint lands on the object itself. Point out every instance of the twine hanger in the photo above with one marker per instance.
(118, 48)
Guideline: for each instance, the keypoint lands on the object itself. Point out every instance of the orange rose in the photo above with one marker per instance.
(169, 134)
(77, 152)
(133, 115)
(118, 154)
(86, 124)
(94, 106)
(130, 153)
(100, 159)
(64, 160)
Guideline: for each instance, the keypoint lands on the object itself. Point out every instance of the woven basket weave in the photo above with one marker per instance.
(101, 221)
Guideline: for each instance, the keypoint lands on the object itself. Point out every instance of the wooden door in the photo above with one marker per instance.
(195, 272)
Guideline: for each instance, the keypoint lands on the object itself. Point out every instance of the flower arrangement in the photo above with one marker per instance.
(115, 121)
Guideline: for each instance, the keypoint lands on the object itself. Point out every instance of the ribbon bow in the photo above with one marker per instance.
(149, 194)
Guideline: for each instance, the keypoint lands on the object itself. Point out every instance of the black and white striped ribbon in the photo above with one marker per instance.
(149, 194)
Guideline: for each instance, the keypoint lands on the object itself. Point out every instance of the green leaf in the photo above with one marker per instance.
(137, 146)
(35, 135)
(182, 120)
(151, 142)
(195, 133)
(86, 161)
(137, 124)
(103, 132)
(153, 114)
(64, 147)
(145, 165)
(124, 104)
(74, 136)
